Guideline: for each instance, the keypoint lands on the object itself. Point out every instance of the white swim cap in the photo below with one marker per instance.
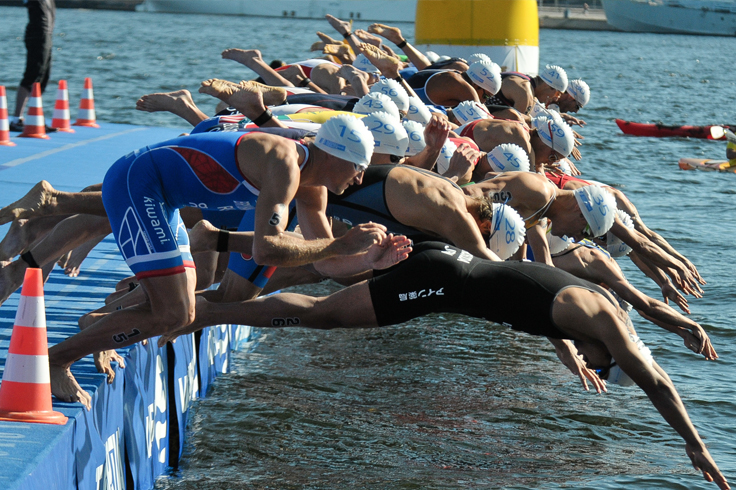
(416, 137)
(616, 374)
(362, 63)
(478, 57)
(418, 111)
(470, 110)
(394, 91)
(507, 231)
(443, 161)
(579, 91)
(556, 244)
(389, 134)
(432, 56)
(555, 133)
(346, 137)
(444, 57)
(508, 157)
(555, 77)
(538, 110)
(614, 245)
(598, 207)
(564, 166)
(486, 74)
(375, 102)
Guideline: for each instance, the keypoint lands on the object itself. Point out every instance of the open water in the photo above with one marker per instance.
(448, 402)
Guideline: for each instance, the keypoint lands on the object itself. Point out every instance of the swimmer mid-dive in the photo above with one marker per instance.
(528, 297)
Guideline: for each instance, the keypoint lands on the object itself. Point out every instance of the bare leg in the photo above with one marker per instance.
(295, 74)
(44, 200)
(23, 233)
(253, 60)
(250, 98)
(67, 235)
(170, 305)
(325, 77)
(179, 103)
(358, 79)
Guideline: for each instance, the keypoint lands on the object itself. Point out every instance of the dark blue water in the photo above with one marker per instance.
(447, 401)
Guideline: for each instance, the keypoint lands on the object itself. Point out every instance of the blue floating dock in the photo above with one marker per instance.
(136, 427)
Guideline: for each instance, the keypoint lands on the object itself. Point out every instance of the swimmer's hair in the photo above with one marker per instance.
(276, 64)
(485, 213)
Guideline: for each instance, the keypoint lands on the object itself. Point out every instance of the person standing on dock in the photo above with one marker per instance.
(39, 42)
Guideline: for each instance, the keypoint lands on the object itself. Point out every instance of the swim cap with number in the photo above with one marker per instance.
(416, 137)
(555, 77)
(556, 244)
(394, 91)
(376, 102)
(614, 245)
(579, 91)
(443, 161)
(507, 231)
(346, 137)
(598, 207)
(487, 75)
(362, 63)
(555, 133)
(418, 111)
(390, 136)
(470, 110)
(508, 157)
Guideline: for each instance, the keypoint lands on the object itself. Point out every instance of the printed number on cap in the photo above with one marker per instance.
(413, 109)
(354, 137)
(374, 103)
(389, 129)
(415, 136)
(598, 201)
(389, 91)
(511, 234)
(512, 159)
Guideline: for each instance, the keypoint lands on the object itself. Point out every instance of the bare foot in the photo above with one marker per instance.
(243, 56)
(388, 65)
(327, 39)
(179, 103)
(103, 360)
(64, 259)
(366, 37)
(203, 237)
(15, 241)
(341, 51)
(357, 78)
(393, 34)
(247, 97)
(318, 46)
(65, 387)
(339, 25)
(10, 279)
(77, 256)
(39, 201)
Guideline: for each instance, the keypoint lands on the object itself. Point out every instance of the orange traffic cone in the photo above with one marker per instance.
(25, 393)
(61, 109)
(86, 116)
(4, 127)
(34, 125)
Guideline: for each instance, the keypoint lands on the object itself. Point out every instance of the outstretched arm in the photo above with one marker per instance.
(394, 35)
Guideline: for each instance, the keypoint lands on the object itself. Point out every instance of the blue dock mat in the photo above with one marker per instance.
(136, 425)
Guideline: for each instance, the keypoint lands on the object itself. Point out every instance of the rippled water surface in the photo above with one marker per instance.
(447, 401)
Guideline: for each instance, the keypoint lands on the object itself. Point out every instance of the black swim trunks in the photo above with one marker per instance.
(439, 278)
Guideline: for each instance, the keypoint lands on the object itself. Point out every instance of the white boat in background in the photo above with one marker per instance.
(704, 17)
(366, 10)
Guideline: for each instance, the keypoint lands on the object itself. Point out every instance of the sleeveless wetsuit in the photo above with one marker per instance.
(367, 202)
(143, 191)
(418, 82)
(439, 278)
(499, 99)
(330, 101)
(307, 65)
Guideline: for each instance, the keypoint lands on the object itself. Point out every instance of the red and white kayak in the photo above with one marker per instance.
(712, 132)
(706, 165)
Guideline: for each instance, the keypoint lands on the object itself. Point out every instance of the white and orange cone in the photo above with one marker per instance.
(34, 125)
(86, 115)
(61, 120)
(25, 393)
(4, 126)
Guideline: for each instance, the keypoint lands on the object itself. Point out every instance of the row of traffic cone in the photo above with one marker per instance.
(25, 392)
(35, 125)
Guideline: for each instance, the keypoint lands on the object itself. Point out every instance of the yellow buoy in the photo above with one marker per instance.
(505, 30)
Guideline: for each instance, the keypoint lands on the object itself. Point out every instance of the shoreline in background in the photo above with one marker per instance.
(574, 18)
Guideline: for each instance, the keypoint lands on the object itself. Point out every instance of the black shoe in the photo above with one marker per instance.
(49, 129)
(16, 126)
